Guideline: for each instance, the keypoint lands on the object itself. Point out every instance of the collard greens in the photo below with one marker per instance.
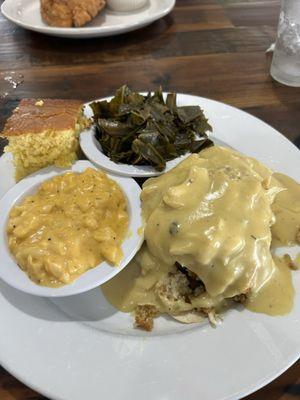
(148, 130)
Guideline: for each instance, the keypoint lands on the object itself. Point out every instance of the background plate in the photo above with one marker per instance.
(26, 13)
(81, 348)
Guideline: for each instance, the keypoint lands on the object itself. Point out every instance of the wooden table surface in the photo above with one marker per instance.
(211, 48)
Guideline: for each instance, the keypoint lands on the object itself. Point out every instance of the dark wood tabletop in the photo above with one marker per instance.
(210, 48)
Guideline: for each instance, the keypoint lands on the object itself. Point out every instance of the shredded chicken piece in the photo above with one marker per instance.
(212, 316)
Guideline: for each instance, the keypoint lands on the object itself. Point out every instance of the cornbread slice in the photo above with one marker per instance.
(44, 132)
(68, 13)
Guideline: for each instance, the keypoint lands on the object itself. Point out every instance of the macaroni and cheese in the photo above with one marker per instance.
(70, 225)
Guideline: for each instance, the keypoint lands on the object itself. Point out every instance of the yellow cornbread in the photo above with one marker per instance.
(44, 132)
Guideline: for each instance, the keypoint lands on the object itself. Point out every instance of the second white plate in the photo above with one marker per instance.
(26, 13)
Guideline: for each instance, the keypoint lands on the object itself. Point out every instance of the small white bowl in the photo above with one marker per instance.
(126, 5)
(15, 277)
(93, 151)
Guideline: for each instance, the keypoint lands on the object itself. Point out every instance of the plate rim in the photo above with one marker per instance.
(235, 396)
(86, 31)
(250, 389)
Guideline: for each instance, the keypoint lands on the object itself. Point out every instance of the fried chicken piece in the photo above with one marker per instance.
(68, 13)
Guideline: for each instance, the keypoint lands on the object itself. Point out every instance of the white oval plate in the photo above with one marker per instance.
(14, 276)
(98, 355)
(26, 13)
(93, 150)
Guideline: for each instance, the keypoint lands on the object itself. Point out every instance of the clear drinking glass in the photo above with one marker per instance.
(285, 67)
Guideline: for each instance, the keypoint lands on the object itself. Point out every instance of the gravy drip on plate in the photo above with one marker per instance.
(276, 297)
(286, 207)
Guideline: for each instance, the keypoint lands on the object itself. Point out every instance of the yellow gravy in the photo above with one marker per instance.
(286, 207)
(276, 297)
(71, 224)
(213, 215)
(129, 288)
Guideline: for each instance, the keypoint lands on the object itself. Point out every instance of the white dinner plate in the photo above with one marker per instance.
(26, 13)
(13, 275)
(80, 347)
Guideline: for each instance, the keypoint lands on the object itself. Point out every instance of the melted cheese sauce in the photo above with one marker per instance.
(212, 214)
(70, 225)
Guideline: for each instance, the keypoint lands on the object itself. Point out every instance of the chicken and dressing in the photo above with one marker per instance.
(209, 224)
